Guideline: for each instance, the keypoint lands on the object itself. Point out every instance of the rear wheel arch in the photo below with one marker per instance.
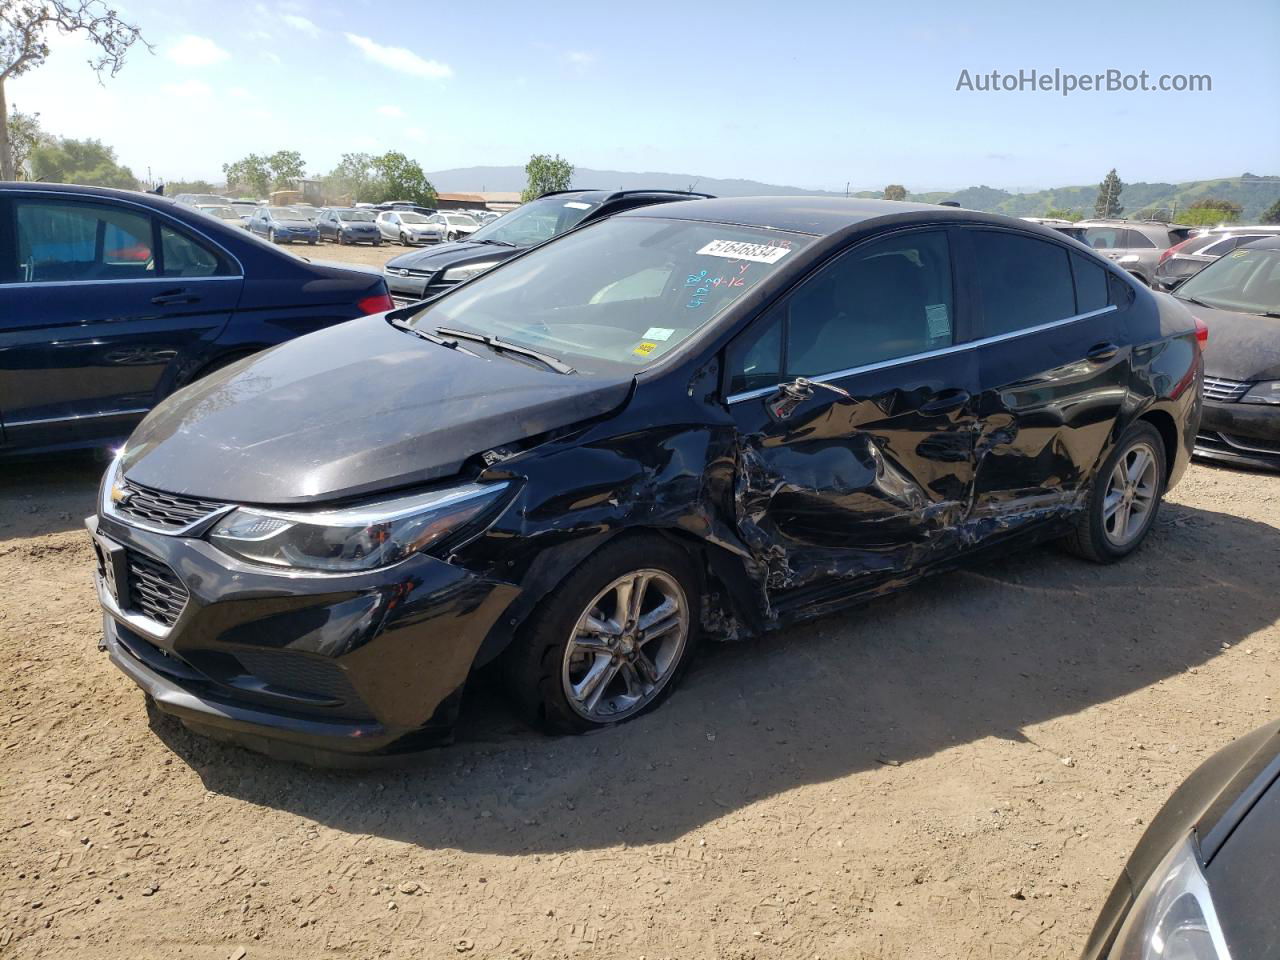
(1168, 430)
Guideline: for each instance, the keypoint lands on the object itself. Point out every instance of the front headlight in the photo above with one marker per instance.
(1173, 917)
(458, 274)
(1268, 391)
(352, 538)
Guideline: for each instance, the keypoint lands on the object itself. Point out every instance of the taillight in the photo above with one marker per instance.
(378, 303)
(1170, 252)
(1202, 332)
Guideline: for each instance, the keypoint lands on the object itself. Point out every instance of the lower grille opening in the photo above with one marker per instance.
(154, 590)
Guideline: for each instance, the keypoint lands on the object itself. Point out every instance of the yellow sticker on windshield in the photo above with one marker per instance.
(645, 348)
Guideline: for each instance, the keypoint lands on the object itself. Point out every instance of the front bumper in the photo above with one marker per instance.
(1241, 433)
(411, 289)
(311, 668)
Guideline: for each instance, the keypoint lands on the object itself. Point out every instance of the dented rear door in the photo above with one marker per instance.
(873, 478)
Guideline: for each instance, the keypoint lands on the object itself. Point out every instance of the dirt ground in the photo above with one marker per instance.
(957, 771)
(365, 255)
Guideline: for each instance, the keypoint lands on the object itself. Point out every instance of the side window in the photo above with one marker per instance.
(755, 359)
(1091, 284)
(183, 257)
(62, 241)
(882, 300)
(1023, 282)
(1137, 240)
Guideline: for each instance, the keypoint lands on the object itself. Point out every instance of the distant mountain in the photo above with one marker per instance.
(466, 179)
(1253, 193)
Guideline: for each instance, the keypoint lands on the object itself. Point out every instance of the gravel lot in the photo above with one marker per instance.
(957, 771)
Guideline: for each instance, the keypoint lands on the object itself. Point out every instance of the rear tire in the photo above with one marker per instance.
(1124, 498)
(404, 241)
(271, 236)
(578, 665)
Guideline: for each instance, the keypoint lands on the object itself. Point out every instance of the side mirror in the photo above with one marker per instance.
(782, 403)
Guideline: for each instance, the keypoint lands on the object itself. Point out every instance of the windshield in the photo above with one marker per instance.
(355, 216)
(1104, 238)
(624, 290)
(460, 220)
(535, 221)
(226, 213)
(1245, 280)
(285, 213)
(413, 218)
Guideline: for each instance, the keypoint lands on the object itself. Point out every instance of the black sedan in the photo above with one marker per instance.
(347, 225)
(424, 273)
(110, 300)
(1238, 297)
(711, 417)
(1201, 884)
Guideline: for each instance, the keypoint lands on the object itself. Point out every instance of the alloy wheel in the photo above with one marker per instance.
(626, 646)
(1130, 495)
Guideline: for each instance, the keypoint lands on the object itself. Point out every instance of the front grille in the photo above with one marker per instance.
(406, 272)
(1225, 391)
(167, 511)
(154, 590)
(400, 301)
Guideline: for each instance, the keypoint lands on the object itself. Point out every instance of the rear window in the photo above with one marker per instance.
(1023, 282)
(1091, 284)
(1137, 240)
(81, 241)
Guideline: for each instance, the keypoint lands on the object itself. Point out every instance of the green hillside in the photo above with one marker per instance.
(1253, 193)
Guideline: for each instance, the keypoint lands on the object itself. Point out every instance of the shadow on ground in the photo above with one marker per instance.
(47, 495)
(984, 652)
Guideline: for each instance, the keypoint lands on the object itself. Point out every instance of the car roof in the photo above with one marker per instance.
(1266, 243)
(818, 216)
(591, 195)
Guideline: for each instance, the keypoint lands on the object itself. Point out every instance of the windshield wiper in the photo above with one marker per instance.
(493, 343)
(400, 324)
(1200, 303)
(496, 243)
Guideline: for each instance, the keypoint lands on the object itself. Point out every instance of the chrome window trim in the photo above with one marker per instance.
(927, 354)
(156, 211)
(84, 283)
(77, 416)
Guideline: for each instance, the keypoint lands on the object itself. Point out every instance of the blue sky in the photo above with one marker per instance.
(810, 94)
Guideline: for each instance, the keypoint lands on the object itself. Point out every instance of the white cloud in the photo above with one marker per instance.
(192, 51)
(188, 90)
(301, 24)
(390, 111)
(400, 59)
(580, 58)
(257, 35)
(416, 133)
(272, 56)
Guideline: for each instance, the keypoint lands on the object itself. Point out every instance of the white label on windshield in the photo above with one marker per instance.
(659, 333)
(577, 205)
(738, 250)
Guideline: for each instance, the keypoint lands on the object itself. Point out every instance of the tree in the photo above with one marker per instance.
(1272, 213)
(396, 177)
(546, 173)
(252, 171)
(1055, 213)
(88, 162)
(23, 47)
(24, 136)
(286, 168)
(1209, 211)
(895, 191)
(175, 187)
(1108, 202)
(351, 178)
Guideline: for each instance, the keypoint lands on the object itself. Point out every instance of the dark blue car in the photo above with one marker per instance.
(110, 300)
(283, 225)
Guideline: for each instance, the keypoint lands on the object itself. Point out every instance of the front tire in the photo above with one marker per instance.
(1124, 498)
(271, 236)
(612, 640)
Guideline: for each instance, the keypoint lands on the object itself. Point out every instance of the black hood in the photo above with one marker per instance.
(1242, 346)
(450, 255)
(352, 409)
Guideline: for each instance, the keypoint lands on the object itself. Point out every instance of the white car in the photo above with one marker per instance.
(457, 225)
(410, 228)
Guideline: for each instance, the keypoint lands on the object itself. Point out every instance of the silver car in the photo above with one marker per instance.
(410, 228)
(1134, 245)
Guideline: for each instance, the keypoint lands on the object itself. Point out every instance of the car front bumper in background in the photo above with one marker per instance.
(307, 667)
(1243, 433)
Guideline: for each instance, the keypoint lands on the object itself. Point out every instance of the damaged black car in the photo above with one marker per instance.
(700, 419)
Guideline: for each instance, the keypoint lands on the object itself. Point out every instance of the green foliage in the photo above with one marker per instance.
(25, 135)
(1272, 213)
(362, 178)
(351, 179)
(546, 173)
(895, 191)
(175, 187)
(286, 168)
(1108, 202)
(252, 173)
(1055, 213)
(1211, 211)
(88, 162)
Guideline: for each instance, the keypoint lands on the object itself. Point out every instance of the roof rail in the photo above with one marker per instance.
(614, 194)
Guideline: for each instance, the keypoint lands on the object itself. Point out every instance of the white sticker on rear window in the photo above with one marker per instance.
(935, 315)
(739, 250)
(658, 333)
(576, 205)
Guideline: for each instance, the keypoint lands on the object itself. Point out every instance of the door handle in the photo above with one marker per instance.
(1101, 352)
(174, 296)
(946, 402)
